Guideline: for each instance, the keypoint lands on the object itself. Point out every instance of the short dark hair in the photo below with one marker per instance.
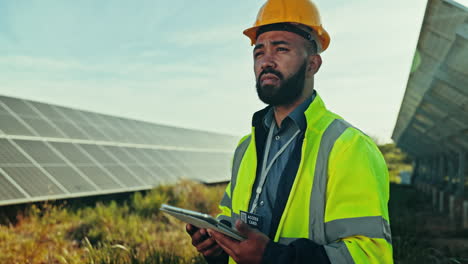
(311, 47)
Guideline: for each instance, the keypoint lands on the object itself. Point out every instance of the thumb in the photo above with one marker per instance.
(244, 228)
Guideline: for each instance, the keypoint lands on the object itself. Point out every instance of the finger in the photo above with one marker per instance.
(206, 244)
(228, 244)
(226, 249)
(199, 236)
(243, 228)
(214, 251)
(191, 229)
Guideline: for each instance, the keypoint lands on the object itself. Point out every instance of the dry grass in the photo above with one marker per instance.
(131, 232)
(135, 232)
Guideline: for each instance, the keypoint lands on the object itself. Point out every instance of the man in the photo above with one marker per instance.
(313, 188)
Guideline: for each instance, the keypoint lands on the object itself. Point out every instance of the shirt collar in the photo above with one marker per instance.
(297, 115)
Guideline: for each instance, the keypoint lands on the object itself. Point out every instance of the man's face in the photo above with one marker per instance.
(280, 66)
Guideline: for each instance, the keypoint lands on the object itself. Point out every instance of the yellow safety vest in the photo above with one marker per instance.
(339, 196)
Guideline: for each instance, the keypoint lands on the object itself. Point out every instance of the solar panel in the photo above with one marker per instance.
(41, 127)
(144, 174)
(9, 154)
(121, 155)
(97, 153)
(127, 130)
(93, 133)
(161, 173)
(120, 134)
(172, 159)
(75, 117)
(8, 190)
(124, 175)
(33, 181)
(438, 87)
(141, 156)
(48, 111)
(11, 126)
(72, 115)
(101, 178)
(103, 125)
(70, 129)
(92, 129)
(18, 106)
(72, 153)
(166, 163)
(40, 152)
(70, 179)
(54, 152)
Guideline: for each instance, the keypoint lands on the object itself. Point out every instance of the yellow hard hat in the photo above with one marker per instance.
(291, 11)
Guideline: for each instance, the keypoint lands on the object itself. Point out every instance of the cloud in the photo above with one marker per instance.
(192, 72)
(212, 36)
(25, 64)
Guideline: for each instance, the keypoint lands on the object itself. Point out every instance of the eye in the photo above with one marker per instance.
(258, 53)
(282, 49)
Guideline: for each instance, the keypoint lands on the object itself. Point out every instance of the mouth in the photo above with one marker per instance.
(269, 77)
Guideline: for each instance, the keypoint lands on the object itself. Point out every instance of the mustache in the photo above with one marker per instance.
(271, 71)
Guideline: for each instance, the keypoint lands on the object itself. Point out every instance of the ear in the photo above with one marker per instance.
(315, 61)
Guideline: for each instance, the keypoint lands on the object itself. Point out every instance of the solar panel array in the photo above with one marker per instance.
(53, 152)
(433, 118)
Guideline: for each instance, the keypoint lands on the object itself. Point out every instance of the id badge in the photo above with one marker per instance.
(253, 220)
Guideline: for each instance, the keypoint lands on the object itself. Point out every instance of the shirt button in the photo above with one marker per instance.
(277, 137)
(262, 203)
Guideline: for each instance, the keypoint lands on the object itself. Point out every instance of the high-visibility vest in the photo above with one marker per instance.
(339, 196)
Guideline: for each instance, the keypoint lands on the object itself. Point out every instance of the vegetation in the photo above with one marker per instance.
(109, 233)
(135, 232)
(397, 161)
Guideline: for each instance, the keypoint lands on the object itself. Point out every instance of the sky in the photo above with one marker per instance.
(187, 63)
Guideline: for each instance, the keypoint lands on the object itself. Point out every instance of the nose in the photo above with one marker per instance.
(267, 62)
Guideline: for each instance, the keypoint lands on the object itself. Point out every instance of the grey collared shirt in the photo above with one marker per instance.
(293, 122)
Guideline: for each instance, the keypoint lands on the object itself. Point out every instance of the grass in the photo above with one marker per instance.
(133, 231)
(109, 233)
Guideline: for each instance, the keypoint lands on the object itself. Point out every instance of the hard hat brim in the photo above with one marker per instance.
(322, 34)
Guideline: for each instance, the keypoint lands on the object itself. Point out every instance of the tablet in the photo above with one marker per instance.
(201, 220)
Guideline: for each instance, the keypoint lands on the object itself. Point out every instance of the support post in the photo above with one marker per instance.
(465, 214)
(461, 173)
(441, 201)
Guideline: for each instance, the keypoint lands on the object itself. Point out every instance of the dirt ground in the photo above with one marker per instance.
(421, 234)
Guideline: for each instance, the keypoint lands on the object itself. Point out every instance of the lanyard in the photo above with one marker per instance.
(265, 168)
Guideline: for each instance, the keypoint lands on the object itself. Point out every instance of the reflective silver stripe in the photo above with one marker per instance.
(226, 201)
(369, 226)
(338, 253)
(287, 240)
(319, 187)
(238, 155)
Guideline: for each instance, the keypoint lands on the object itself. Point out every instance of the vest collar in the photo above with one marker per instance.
(313, 113)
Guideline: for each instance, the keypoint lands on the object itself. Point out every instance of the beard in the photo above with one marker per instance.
(287, 92)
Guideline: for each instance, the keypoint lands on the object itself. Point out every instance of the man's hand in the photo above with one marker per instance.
(249, 251)
(202, 242)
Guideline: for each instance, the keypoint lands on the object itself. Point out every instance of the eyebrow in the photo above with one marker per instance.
(274, 43)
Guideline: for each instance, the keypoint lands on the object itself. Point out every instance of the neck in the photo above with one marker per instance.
(282, 111)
